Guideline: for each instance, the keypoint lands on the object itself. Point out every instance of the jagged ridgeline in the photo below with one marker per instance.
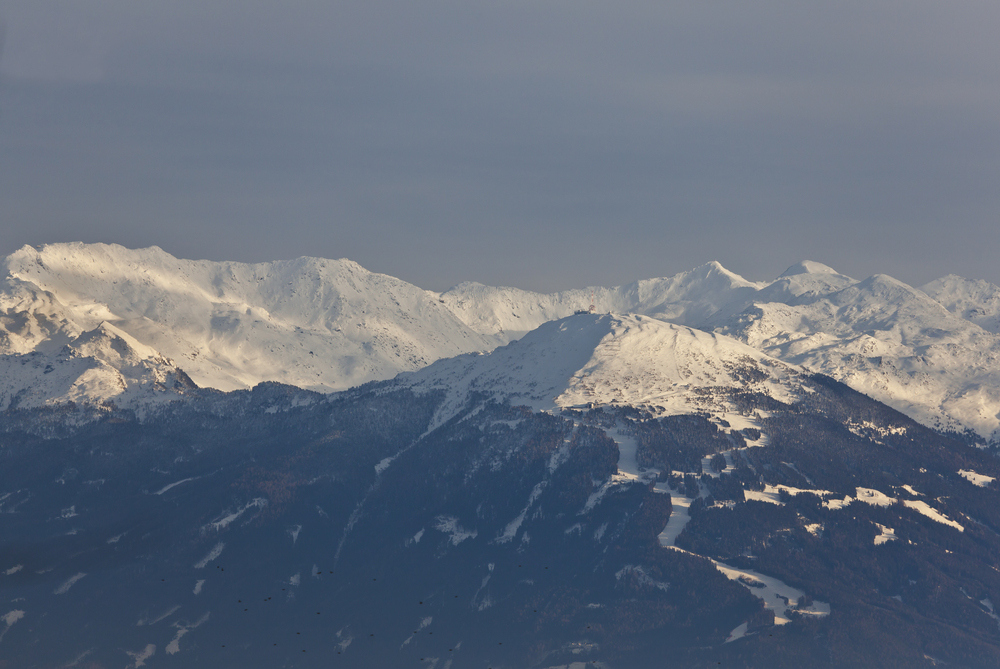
(612, 492)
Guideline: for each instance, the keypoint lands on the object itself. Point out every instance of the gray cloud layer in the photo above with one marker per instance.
(539, 144)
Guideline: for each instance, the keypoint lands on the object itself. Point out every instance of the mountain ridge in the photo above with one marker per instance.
(328, 325)
(589, 360)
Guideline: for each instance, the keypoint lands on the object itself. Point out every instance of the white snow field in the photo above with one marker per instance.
(981, 480)
(777, 595)
(328, 325)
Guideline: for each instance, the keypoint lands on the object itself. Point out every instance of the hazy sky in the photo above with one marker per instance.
(533, 143)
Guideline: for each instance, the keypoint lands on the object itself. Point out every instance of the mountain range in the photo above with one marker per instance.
(303, 464)
(329, 325)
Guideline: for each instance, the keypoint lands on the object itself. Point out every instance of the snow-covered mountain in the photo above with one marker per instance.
(882, 337)
(938, 362)
(329, 325)
(976, 301)
(687, 298)
(589, 360)
(313, 323)
(100, 367)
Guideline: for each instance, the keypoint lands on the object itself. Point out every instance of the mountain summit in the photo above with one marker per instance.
(589, 360)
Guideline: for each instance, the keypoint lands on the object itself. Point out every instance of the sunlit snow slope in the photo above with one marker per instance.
(882, 337)
(99, 366)
(976, 301)
(318, 324)
(603, 359)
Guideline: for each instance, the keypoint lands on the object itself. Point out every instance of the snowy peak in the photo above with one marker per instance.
(881, 302)
(594, 360)
(974, 300)
(807, 267)
(647, 362)
(802, 283)
(687, 298)
(719, 276)
(886, 339)
(691, 297)
(117, 349)
(101, 368)
(533, 370)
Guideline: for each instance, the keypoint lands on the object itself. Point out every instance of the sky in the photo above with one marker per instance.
(539, 144)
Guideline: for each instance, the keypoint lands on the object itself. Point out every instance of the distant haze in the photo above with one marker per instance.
(543, 145)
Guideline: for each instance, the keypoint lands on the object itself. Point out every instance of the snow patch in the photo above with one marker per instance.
(224, 521)
(981, 480)
(174, 646)
(814, 529)
(595, 497)
(877, 498)
(772, 494)
(139, 658)
(512, 527)
(628, 464)
(886, 535)
(932, 513)
(679, 515)
(450, 526)
(67, 584)
(989, 610)
(383, 464)
(777, 595)
(867, 429)
(79, 658)
(212, 554)
(486, 601)
(599, 532)
(738, 633)
(424, 624)
(874, 497)
(174, 484)
(345, 639)
(838, 504)
(166, 614)
(12, 617)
